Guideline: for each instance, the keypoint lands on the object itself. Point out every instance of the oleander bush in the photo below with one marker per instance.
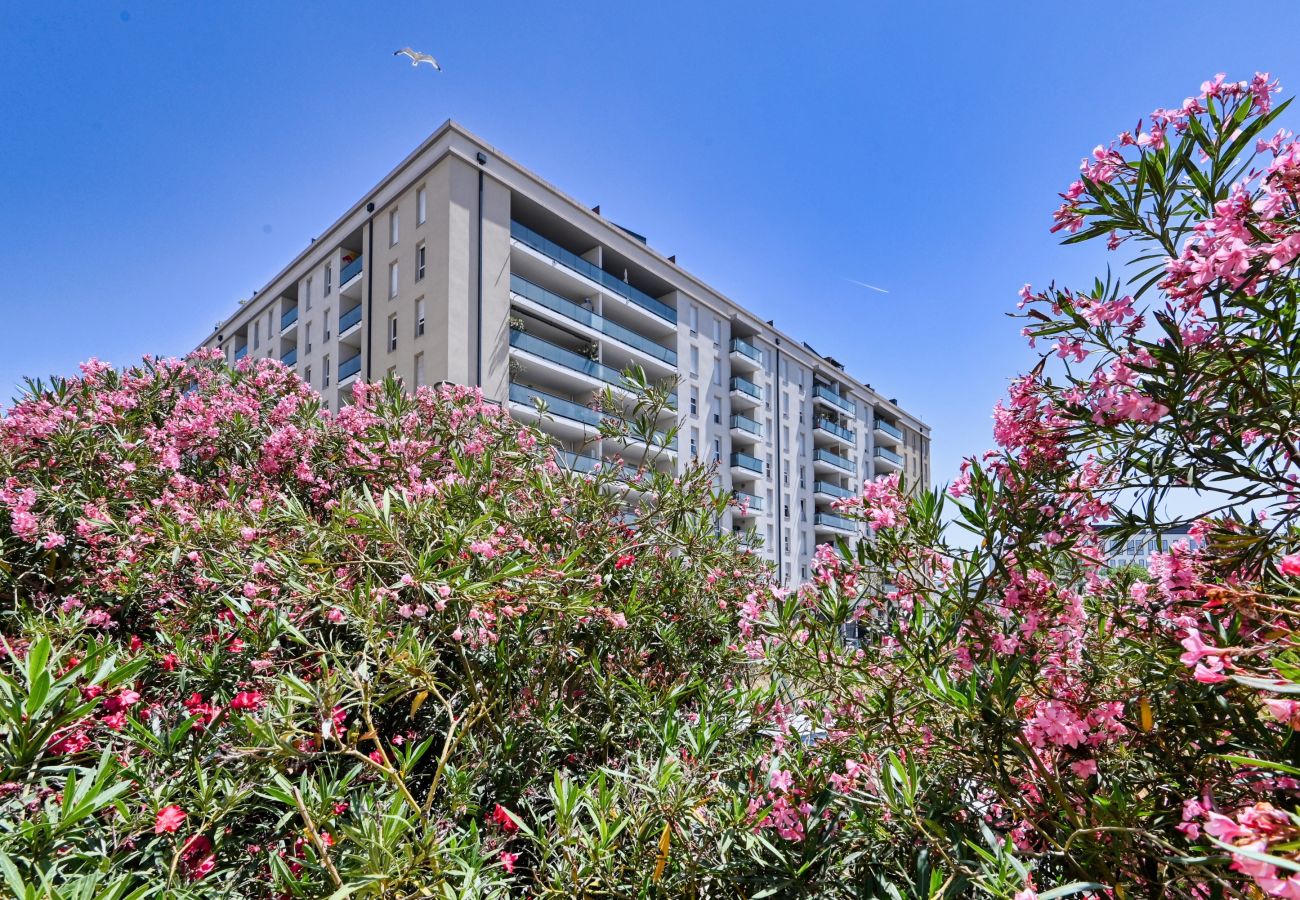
(253, 649)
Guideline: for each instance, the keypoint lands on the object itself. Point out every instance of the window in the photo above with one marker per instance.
(717, 449)
(695, 402)
(785, 475)
(308, 290)
(421, 206)
(787, 542)
(394, 224)
(306, 375)
(392, 280)
(717, 411)
(419, 369)
(307, 339)
(327, 323)
(419, 262)
(717, 372)
(326, 366)
(695, 362)
(257, 334)
(695, 442)
(694, 314)
(802, 482)
(785, 509)
(329, 277)
(419, 317)
(392, 333)
(717, 332)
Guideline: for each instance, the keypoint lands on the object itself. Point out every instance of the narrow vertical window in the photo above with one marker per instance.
(695, 361)
(394, 224)
(419, 261)
(307, 339)
(419, 369)
(329, 277)
(257, 334)
(308, 287)
(419, 317)
(421, 206)
(392, 280)
(392, 333)
(326, 366)
(695, 401)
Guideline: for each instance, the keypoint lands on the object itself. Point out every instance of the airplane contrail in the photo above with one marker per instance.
(865, 285)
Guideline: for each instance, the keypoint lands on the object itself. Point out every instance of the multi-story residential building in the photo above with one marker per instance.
(1137, 550)
(463, 266)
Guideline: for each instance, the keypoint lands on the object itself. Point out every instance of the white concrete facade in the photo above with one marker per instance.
(462, 266)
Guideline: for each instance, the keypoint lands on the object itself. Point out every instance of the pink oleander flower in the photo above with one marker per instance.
(247, 701)
(168, 819)
(1290, 565)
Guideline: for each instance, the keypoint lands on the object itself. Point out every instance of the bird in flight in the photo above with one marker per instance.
(417, 57)
(865, 285)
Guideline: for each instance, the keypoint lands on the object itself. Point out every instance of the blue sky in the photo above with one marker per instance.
(162, 160)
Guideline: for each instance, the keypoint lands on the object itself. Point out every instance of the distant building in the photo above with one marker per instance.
(1137, 550)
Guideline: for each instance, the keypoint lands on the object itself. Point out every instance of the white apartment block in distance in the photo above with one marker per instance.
(463, 266)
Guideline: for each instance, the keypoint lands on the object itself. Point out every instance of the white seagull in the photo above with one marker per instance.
(417, 57)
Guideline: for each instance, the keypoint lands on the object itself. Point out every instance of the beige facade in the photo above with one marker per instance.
(463, 266)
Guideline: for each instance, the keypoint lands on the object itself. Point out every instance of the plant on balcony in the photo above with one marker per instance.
(590, 351)
(518, 324)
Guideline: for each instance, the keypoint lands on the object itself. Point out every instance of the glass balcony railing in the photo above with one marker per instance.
(567, 358)
(882, 453)
(825, 487)
(833, 521)
(578, 313)
(745, 423)
(349, 318)
(826, 393)
(834, 459)
(556, 405)
(571, 260)
(838, 430)
(745, 386)
(745, 348)
(889, 428)
(349, 367)
(290, 316)
(241, 352)
(290, 358)
(577, 462)
(745, 461)
(754, 502)
(350, 271)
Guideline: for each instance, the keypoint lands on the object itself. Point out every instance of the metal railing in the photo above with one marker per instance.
(562, 357)
(349, 318)
(290, 357)
(557, 405)
(745, 461)
(745, 386)
(825, 487)
(821, 390)
(834, 459)
(754, 502)
(349, 367)
(834, 521)
(889, 428)
(745, 423)
(350, 271)
(578, 313)
(290, 316)
(745, 348)
(882, 453)
(241, 352)
(571, 260)
(836, 429)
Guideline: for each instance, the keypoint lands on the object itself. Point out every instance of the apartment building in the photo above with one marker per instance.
(463, 266)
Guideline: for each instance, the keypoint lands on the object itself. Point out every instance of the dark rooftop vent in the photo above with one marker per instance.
(596, 209)
(639, 237)
(770, 321)
(673, 259)
(835, 362)
(893, 400)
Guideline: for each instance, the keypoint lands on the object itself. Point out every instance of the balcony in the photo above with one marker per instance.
(575, 412)
(349, 367)
(822, 392)
(568, 359)
(835, 430)
(570, 310)
(289, 319)
(746, 463)
(746, 429)
(745, 392)
(290, 357)
(887, 459)
(349, 320)
(832, 522)
(821, 456)
(576, 263)
(241, 352)
(746, 355)
(826, 489)
(888, 431)
(750, 503)
(350, 271)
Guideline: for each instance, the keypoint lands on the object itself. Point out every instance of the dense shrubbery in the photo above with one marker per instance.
(254, 650)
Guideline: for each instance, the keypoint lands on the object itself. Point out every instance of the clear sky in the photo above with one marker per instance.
(161, 160)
